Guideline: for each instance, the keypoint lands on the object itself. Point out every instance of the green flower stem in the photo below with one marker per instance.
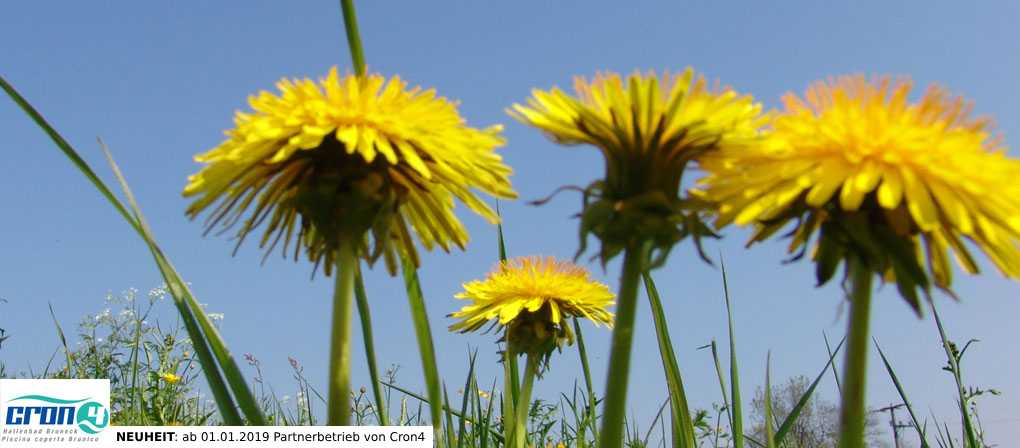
(508, 395)
(619, 356)
(353, 36)
(854, 413)
(524, 402)
(339, 413)
(381, 410)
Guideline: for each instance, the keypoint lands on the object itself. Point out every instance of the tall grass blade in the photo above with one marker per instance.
(181, 292)
(449, 418)
(954, 364)
(513, 370)
(683, 428)
(737, 423)
(835, 373)
(590, 421)
(68, 151)
(903, 396)
(210, 369)
(361, 299)
(422, 399)
(135, 392)
(426, 348)
(487, 418)
(63, 342)
(722, 382)
(787, 424)
(770, 438)
(468, 392)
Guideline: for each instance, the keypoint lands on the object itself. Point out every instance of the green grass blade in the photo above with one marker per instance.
(903, 395)
(68, 151)
(487, 417)
(591, 420)
(722, 382)
(968, 427)
(737, 423)
(420, 398)
(514, 370)
(468, 392)
(683, 428)
(361, 299)
(210, 370)
(135, 392)
(181, 292)
(787, 424)
(63, 342)
(835, 373)
(770, 438)
(426, 348)
(449, 417)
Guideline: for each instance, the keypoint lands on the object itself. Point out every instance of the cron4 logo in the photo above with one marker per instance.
(90, 416)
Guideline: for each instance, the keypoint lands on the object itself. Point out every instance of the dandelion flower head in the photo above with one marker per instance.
(897, 184)
(337, 160)
(531, 298)
(648, 127)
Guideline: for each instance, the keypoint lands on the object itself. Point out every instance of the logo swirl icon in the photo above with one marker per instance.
(92, 417)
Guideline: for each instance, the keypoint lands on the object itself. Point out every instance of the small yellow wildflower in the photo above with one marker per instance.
(530, 297)
(170, 378)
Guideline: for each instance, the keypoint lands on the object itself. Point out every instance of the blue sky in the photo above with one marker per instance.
(159, 83)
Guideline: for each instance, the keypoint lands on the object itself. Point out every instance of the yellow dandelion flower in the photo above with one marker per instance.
(869, 171)
(530, 297)
(648, 128)
(325, 162)
(170, 378)
(881, 185)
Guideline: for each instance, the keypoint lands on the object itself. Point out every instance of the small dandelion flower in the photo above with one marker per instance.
(874, 176)
(530, 298)
(170, 378)
(330, 162)
(648, 129)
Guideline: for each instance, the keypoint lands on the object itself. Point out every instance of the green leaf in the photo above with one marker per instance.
(683, 429)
